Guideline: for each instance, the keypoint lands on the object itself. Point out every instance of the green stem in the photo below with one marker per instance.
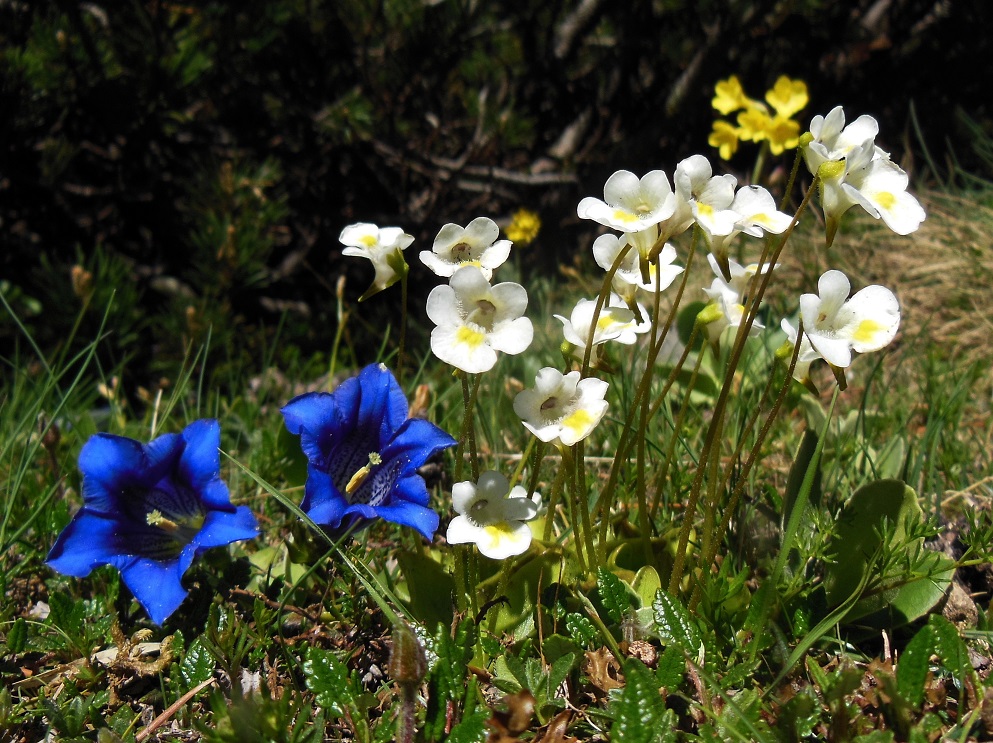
(553, 501)
(644, 389)
(736, 352)
(403, 327)
(684, 408)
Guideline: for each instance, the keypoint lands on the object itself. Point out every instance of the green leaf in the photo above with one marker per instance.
(639, 714)
(327, 678)
(447, 680)
(431, 588)
(912, 669)
(472, 729)
(646, 584)
(197, 665)
(17, 637)
(556, 646)
(912, 585)
(66, 614)
(674, 623)
(613, 594)
(950, 647)
(581, 629)
(672, 668)
(557, 674)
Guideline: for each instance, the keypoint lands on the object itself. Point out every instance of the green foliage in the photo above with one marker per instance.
(639, 715)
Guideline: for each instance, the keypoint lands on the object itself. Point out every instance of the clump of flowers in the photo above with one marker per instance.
(852, 170)
(492, 516)
(363, 453)
(755, 122)
(150, 510)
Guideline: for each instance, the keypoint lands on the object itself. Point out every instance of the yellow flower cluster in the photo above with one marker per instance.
(755, 122)
(524, 227)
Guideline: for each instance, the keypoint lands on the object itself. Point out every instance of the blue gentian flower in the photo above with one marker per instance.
(364, 453)
(149, 510)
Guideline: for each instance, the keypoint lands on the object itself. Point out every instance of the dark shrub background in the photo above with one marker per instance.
(200, 158)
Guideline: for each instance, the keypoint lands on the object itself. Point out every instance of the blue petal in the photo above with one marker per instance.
(411, 488)
(415, 443)
(86, 543)
(315, 418)
(420, 518)
(112, 463)
(221, 528)
(156, 585)
(200, 462)
(383, 404)
(321, 500)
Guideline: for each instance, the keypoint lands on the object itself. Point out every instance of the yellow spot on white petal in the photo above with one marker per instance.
(705, 209)
(622, 215)
(578, 421)
(867, 331)
(368, 240)
(500, 534)
(470, 337)
(885, 199)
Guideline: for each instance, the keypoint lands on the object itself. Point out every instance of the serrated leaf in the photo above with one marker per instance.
(472, 729)
(674, 623)
(327, 678)
(638, 712)
(66, 614)
(672, 668)
(613, 594)
(581, 629)
(912, 669)
(197, 665)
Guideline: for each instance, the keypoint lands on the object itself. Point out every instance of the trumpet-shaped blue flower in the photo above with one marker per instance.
(149, 510)
(364, 453)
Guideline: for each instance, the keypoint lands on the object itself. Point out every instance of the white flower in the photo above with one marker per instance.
(382, 246)
(475, 320)
(837, 325)
(491, 517)
(709, 196)
(757, 212)
(474, 245)
(616, 322)
(831, 140)
(735, 288)
(631, 204)
(807, 355)
(880, 187)
(561, 408)
(628, 279)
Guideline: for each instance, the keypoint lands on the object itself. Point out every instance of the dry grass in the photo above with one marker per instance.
(943, 274)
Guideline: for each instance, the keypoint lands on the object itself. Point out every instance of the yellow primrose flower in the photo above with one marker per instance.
(729, 96)
(782, 133)
(753, 124)
(725, 138)
(523, 227)
(787, 96)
